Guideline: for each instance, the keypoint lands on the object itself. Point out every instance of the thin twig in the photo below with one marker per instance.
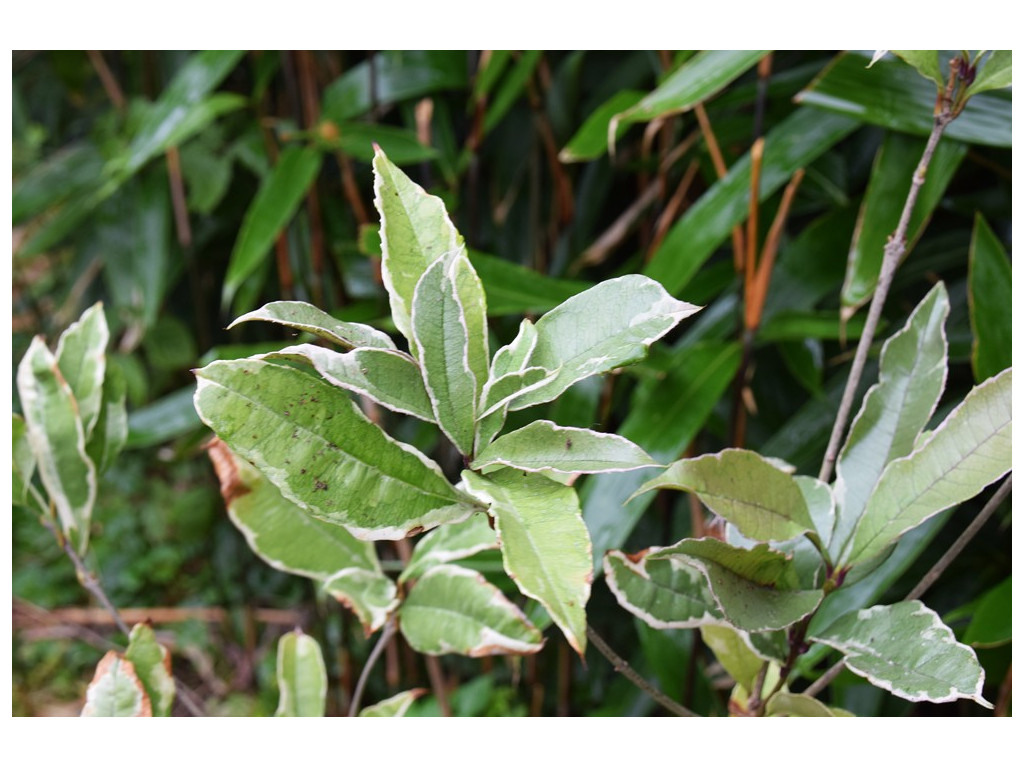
(110, 85)
(894, 251)
(621, 665)
(382, 641)
(933, 574)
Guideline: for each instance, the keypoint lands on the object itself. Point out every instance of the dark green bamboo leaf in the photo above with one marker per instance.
(799, 326)
(906, 649)
(492, 66)
(995, 72)
(511, 88)
(400, 144)
(891, 176)
(162, 420)
(69, 172)
(515, 290)
(318, 448)
(991, 300)
(301, 676)
(591, 140)
(894, 97)
(992, 625)
(452, 609)
(271, 210)
(795, 143)
(664, 417)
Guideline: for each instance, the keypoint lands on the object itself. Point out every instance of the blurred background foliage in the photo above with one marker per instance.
(183, 189)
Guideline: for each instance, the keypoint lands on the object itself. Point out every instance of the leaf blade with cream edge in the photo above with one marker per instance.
(911, 377)
(444, 344)
(116, 691)
(602, 328)
(545, 546)
(415, 232)
(288, 539)
(498, 393)
(301, 676)
(968, 451)
(110, 432)
(285, 421)
(545, 446)
(761, 500)
(386, 376)
(58, 441)
(448, 543)
(152, 664)
(23, 460)
(906, 649)
(452, 609)
(666, 594)
(393, 706)
(81, 356)
(305, 317)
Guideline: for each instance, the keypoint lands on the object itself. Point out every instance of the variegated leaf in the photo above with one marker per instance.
(305, 317)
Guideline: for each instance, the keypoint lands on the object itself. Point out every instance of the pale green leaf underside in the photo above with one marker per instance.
(290, 540)
(906, 649)
(666, 594)
(415, 231)
(761, 500)
(449, 543)
(604, 327)
(441, 333)
(912, 375)
(152, 663)
(116, 691)
(305, 317)
(393, 706)
(386, 376)
(81, 357)
(452, 609)
(314, 444)
(58, 441)
(498, 393)
(785, 704)
(23, 460)
(967, 452)
(301, 676)
(732, 649)
(925, 62)
(545, 546)
(545, 446)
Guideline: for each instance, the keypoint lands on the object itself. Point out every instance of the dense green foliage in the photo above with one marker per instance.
(186, 190)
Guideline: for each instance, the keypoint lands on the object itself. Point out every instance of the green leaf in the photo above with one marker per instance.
(81, 357)
(785, 704)
(386, 376)
(912, 374)
(275, 203)
(400, 144)
(415, 232)
(663, 419)
(305, 317)
(696, 81)
(183, 108)
(165, 419)
(288, 539)
(964, 454)
(821, 506)
(449, 543)
(794, 143)
(447, 330)
(761, 500)
(314, 444)
(591, 139)
(152, 664)
(990, 299)
(992, 624)
(69, 172)
(666, 594)
(607, 326)
(544, 543)
(798, 326)
(755, 588)
(394, 706)
(732, 649)
(906, 649)
(301, 676)
(894, 169)
(511, 88)
(925, 62)
(111, 430)
(893, 97)
(545, 446)
(23, 460)
(57, 438)
(452, 609)
(116, 690)
(995, 72)
(498, 393)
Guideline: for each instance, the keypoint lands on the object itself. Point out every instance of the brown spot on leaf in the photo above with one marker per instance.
(414, 531)
(226, 467)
